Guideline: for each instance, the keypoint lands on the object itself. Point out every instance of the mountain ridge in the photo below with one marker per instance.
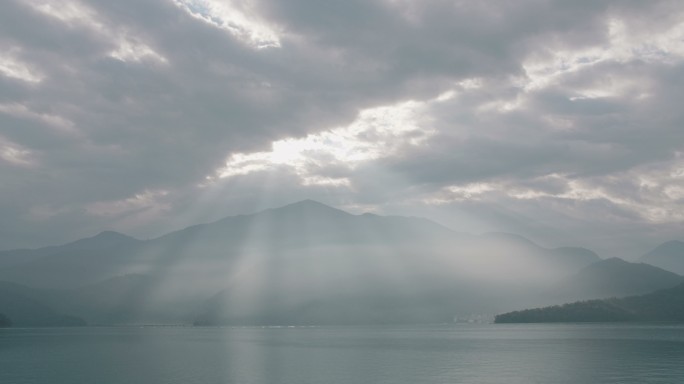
(303, 262)
(615, 277)
(668, 255)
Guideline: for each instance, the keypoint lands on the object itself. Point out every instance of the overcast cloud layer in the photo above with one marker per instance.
(558, 120)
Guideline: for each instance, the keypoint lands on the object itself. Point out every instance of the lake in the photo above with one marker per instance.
(458, 353)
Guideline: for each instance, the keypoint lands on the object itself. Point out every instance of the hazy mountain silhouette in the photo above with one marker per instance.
(117, 300)
(575, 256)
(518, 247)
(69, 265)
(103, 240)
(661, 305)
(615, 278)
(304, 262)
(26, 307)
(669, 256)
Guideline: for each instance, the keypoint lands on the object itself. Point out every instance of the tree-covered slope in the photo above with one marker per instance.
(663, 305)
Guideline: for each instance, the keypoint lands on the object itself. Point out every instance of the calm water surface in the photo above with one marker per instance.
(510, 354)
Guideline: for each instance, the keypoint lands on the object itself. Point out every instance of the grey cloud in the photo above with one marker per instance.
(160, 128)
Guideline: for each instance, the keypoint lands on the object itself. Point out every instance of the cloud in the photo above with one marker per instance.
(548, 118)
(13, 67)
(15, 154)
(236, 18)
(376, 133)
(78, 15)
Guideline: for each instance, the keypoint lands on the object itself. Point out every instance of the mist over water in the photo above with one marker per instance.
(490, 354)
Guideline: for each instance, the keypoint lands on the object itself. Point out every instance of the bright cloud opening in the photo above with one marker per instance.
(376, 133)
(239, 21)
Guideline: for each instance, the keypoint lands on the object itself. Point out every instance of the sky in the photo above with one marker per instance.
(560, 121)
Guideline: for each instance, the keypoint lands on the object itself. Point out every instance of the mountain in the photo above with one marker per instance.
(669, 256)
(663, 305)
(305, 262)
(26, 307)
(575, 256)
(103, 240)
(614, 278)
(309, 223)
(68, 265)
(124, 299)
(515, 252)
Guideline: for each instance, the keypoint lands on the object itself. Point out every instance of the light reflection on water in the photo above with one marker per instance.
(525, 354)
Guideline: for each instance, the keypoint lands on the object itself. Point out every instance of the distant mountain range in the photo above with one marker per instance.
(669, 256)
(614, 277)
(301, 263)
(104, 240)
(23, 306)
(654, 294)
